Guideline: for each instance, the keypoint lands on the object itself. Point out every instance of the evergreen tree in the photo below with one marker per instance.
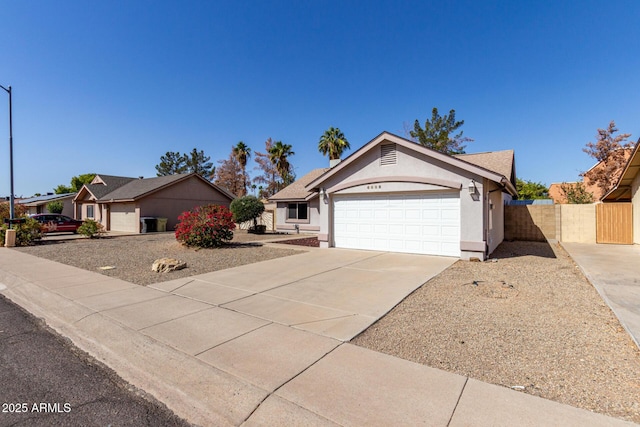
(171, 163)
(437, 133)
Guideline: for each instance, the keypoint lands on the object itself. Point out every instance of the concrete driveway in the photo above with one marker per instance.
(614, 270)
(337, 293)
(263, 344)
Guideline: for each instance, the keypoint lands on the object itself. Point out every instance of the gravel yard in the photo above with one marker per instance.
(132, 256)
(530, 321)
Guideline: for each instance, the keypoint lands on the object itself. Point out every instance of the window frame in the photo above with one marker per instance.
(93, 213)
(298, 209)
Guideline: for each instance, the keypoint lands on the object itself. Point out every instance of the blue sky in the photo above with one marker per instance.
(110, 86)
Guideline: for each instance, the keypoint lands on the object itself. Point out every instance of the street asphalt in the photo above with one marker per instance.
(46, 381)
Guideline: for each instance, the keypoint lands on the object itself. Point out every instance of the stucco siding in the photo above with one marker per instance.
(183, 196)
(495, 226)
(311, 225)
(431, 175)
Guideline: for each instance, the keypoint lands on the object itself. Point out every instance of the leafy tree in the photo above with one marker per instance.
(610, 152)
(247, 208)
(269, 174)
(55, 206)
(62, 189)
(529, 190)
(172, 163)
(333, 142)
(437, 133)
(242, 153)
(279, 155)
(576, 193)
(76, 184)
(229, 175)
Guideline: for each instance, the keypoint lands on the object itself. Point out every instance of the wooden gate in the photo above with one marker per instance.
(614, 223)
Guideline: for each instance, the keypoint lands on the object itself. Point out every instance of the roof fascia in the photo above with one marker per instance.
(452, 161)
(83, 189)
(623, 175)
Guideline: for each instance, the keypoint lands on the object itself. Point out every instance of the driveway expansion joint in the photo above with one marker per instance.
(288, 381)
(466, 380)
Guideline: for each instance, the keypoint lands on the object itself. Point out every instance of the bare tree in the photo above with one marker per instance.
(611, 153)
(230, 175)
(269, 179)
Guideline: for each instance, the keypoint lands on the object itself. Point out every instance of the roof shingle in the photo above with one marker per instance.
(296, 190)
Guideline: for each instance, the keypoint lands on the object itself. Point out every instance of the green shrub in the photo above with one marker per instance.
(207, 226)
(247, 208)
(55, 207)
(91, 228)
(26, 233)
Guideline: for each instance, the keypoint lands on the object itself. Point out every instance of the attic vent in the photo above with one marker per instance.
(388, 154)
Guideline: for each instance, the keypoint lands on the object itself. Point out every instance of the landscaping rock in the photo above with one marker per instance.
(164, 265)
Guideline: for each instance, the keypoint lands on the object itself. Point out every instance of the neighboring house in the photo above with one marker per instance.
(558, 196)
(298, 209)
(628, 190)
(119, 203)
(395, 195)
(38, 205)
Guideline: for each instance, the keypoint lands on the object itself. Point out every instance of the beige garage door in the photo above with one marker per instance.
(124, 218)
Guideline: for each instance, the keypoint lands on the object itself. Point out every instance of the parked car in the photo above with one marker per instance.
(52, 223)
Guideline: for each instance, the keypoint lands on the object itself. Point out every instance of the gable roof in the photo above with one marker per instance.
(138, 188)
(622, 190)
(104, 184)
(496, 161)
(297, 190)
(505, 176)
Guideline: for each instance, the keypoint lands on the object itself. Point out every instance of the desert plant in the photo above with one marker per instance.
(207, 226)
(26, 233)
(55, 207)
(247, 208)
(91, 228)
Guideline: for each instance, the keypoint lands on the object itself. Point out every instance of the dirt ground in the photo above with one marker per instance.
(530, 321)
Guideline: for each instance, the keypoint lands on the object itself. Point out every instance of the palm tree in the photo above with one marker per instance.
(333, 142)
(279, 155)
(242, 152)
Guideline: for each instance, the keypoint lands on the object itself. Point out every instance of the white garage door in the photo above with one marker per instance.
(416, 223)
(123, 217)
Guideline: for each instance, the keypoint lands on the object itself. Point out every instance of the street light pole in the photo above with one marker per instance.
(11, 196)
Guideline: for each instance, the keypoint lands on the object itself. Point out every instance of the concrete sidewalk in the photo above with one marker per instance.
(614, 270)
(264, 344)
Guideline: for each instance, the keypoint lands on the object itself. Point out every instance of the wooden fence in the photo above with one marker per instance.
(594, 223)
(614, 223)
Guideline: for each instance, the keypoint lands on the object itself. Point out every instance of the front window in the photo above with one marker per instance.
(298, 211)
(90, 211)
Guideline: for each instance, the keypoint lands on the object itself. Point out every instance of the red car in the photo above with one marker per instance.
(52, 223)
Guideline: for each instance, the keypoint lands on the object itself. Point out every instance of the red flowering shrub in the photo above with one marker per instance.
(207, 226)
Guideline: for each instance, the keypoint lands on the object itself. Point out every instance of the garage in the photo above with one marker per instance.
(422, 223)
(124, 218)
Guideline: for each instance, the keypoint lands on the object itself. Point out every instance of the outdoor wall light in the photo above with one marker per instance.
(472, 187)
